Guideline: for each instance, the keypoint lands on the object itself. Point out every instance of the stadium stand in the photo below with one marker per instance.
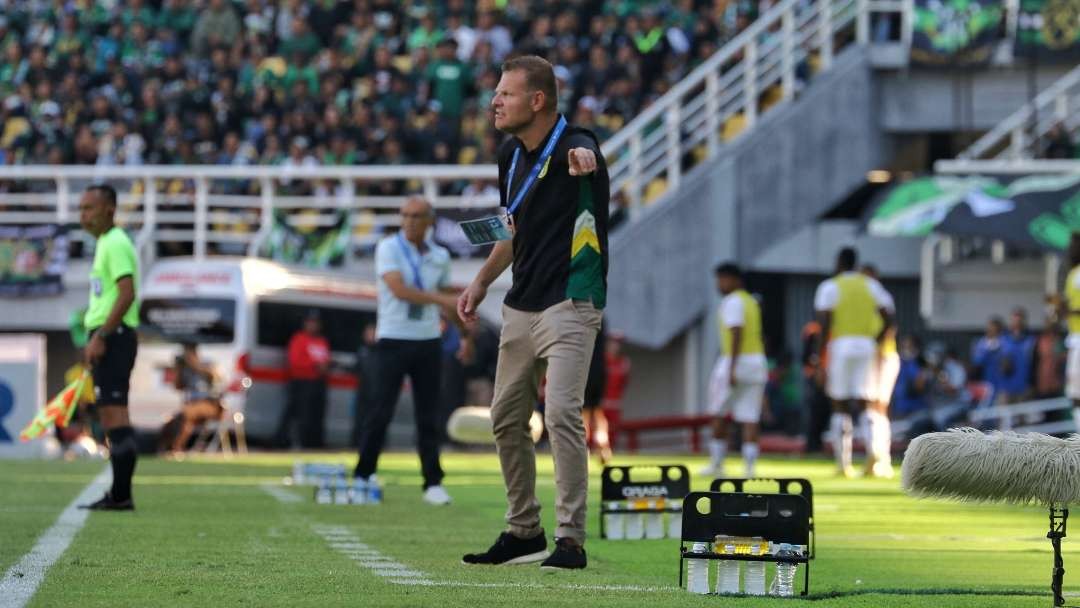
(324, 82)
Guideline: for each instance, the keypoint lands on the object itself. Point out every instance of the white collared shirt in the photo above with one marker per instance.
(393, 319)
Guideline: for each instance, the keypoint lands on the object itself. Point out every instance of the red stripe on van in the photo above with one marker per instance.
(280, 374)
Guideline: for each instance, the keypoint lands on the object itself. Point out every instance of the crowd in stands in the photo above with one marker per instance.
(293, 82)
(1009, 364)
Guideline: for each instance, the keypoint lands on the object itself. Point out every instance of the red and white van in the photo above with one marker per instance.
(242, 312)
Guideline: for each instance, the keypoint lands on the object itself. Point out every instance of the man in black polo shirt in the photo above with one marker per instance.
(554, 183)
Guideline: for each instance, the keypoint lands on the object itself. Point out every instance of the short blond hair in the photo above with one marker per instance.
(539, 76)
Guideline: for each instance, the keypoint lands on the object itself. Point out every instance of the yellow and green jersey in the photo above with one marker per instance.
(856, 311)
(740, 309)
(114, 259)
(1072, 299)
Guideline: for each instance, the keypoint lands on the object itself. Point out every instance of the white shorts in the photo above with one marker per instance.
(743, 401)
(850, 369)
(1072, 373)
(883, 373)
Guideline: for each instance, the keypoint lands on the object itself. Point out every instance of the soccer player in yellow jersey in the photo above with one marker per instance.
(1071, 310)
(855, 313)
(737, 387)
(884, 370)
(111, 320)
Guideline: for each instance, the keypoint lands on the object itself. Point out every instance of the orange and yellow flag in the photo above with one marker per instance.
(58, 412)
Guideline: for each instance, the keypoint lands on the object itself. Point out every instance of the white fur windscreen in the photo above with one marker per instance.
(472, 424)
(967, 464)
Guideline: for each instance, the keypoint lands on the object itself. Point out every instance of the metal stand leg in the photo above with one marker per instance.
(1058, 519)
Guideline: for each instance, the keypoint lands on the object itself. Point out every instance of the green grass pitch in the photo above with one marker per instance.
(207, 532)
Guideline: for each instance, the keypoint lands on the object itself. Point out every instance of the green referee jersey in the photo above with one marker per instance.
(114, 259)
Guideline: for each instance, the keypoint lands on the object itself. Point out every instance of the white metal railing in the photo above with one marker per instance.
(730, 86)
(1020, 136)
(722, 99)
(185, 205)
(1013, 417)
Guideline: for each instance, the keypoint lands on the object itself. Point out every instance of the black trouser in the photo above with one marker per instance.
(421, 360)
(306, 404)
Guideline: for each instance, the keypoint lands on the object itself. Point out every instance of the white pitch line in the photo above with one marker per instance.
(346, 543)
(399, 574)
(384, 565)
(396, 573)
(23, 579)
(282, 495)
(572, 587)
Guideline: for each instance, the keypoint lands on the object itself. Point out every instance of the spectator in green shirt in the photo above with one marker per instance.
(176, 15)
(302, 41)
(449, 79)
(138, 12)
(217, 25)
(427, 34)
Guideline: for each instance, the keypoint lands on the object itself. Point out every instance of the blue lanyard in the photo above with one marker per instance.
(535, 171)
(414, 264)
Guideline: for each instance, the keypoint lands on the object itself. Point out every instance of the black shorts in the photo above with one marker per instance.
(112, 373)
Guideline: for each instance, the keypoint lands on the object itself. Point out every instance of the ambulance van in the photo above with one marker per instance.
(241, 312)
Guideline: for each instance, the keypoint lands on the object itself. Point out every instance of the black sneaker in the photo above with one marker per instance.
(108, 504)
(568, 555)
(509, 549)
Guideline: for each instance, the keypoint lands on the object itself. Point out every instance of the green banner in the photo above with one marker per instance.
(955, 32)
(294, 240)
(1034, 212)
(1048, 30)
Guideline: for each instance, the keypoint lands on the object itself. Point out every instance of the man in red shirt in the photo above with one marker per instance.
(309, 361)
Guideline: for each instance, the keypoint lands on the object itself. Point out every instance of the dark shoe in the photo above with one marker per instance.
(108, 504)
(509, 549)
(568, 555)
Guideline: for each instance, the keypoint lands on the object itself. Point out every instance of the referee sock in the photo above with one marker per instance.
(122, 455)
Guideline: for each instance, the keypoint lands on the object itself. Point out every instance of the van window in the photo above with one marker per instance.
(276, 322)
(201, 320)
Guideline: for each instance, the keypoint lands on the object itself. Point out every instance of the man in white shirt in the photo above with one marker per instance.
(737, 387)
(855, 313)
(413, 283)
(877, 430)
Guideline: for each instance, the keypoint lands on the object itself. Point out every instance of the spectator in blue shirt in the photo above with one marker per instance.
(1019, 347)
(988, 355)
(910, 394)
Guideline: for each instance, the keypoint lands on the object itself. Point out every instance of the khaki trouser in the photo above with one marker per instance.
(559, 340)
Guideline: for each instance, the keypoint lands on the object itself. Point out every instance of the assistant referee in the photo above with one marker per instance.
(111, 319)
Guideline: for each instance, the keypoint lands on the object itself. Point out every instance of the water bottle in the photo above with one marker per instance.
(654, 521)
(298, 472)
(784, 583)
(359, 492)
(635, 522)
(697, 571)
(323, 495)
(341, 491)
(614, 523)
(755, 571)
(675, 522)
(727, 570)
(374, 495)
